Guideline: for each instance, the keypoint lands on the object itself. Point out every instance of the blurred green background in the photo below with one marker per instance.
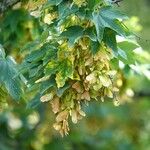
(105, 127)
(140, 9)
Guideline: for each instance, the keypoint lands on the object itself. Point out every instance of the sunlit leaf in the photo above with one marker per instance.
(107, 17)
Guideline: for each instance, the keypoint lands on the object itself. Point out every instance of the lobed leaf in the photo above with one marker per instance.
(108, 17)
(9, 79)
(73, 33)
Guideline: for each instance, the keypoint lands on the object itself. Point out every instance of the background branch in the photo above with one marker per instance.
(5, 4)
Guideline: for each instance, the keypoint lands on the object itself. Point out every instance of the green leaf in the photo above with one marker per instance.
(65, 10)
(99, 27)
(111, 13)
(35, 56)
(107, 17)
(93, 3)
(34, 71)
(51, 54)
(3, 98)
(73, 33)
(9, 79)
(2, 52)
(44, 35)
(122, 54)
(127, 46)
(31, 46)
(65, 72)
(90, 32)
(3, 93)
(114, 64)
(47, 84)
(110, 40)
(61, 90)
(51, 68)
(54, 2)
(95, 47)
(125, 51)
(35, 102)
(84, 13)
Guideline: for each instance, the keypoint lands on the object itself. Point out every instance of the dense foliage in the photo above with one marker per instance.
(71, 54)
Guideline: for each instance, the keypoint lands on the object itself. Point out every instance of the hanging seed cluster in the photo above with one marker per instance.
(92, 78)
(81, 41)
